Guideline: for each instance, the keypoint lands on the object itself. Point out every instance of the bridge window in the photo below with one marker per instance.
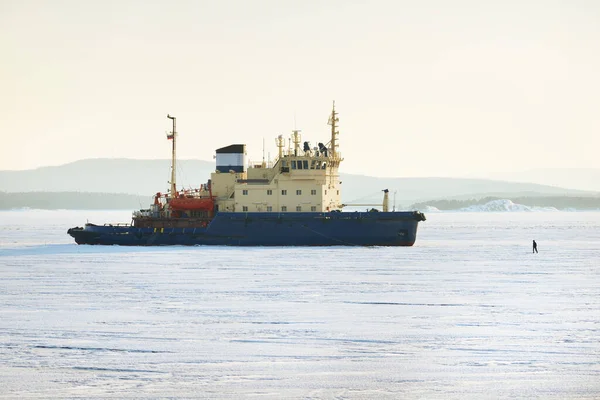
(312, 164)
(305, 163)
(299, 164)
(293, 164)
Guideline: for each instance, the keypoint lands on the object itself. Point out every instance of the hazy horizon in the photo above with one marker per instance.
(423, 89)
(155, 173)
(467, 175)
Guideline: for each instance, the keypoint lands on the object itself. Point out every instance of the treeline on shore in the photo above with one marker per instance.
(72, 201)
(559, 202)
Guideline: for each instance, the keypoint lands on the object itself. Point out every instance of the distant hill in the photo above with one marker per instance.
(143, 178)
(73, 201)
(360, 189)
(108, 175)
(571, 178)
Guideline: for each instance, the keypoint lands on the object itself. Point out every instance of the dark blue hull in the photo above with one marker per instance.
(268, 229)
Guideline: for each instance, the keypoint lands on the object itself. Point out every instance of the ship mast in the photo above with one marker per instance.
(173, 136)
(332, 121)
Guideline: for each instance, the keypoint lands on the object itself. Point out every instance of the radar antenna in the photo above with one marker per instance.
(296, 138)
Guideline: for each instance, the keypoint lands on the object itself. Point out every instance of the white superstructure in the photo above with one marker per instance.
(301, 179)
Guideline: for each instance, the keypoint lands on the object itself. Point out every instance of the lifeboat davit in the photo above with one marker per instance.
(191, 203)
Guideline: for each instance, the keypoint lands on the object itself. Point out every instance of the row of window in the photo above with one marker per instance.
(303, 164)
(313, 192)
(283, 208)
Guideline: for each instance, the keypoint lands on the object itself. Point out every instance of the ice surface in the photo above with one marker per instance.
(467, 313)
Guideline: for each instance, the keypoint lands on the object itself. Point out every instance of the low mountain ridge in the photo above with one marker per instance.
(107, 175)
(143, 178)
(72, 201)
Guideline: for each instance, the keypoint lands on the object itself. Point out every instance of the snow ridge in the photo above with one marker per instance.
(501, 205)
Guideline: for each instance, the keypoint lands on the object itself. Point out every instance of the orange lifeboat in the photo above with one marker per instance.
(192, 203)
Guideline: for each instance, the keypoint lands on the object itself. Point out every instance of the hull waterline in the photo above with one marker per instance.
(272, 229)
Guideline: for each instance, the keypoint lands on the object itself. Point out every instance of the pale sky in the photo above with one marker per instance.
(423, 88)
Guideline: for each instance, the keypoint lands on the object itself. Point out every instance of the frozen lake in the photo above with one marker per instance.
(467, 313)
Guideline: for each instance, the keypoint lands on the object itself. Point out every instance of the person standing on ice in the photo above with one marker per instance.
(534, 247)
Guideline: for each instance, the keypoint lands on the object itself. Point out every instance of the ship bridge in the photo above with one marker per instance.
(301, 179)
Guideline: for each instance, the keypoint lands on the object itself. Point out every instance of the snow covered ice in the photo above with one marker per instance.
(500, 205)
(467, 313)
